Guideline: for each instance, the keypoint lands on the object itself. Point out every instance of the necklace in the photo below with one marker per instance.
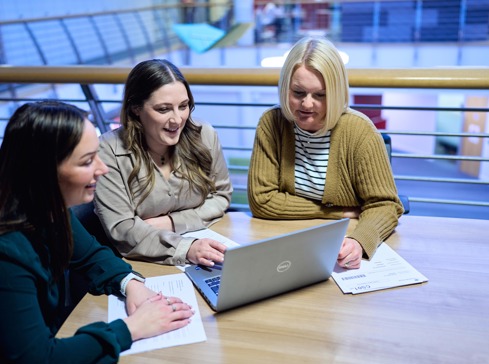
(161, 158)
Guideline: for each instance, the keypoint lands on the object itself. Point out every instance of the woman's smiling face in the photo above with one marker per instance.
(79, 172)
(163, 116)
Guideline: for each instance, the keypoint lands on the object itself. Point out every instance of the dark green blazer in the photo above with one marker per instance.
(32, 305)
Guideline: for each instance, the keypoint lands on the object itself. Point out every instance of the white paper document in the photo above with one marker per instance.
(208, 233)
(386, 269)
(177, 285)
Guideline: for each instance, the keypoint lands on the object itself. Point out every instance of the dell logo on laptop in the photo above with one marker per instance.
(282, 267)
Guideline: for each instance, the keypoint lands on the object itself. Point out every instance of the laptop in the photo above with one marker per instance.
(271, 266)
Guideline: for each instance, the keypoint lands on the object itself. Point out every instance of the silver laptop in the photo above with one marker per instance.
(271, 266)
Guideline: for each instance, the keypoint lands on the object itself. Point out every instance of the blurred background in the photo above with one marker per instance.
(439, 135)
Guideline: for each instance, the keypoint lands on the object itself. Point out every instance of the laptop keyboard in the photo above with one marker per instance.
(213, 283)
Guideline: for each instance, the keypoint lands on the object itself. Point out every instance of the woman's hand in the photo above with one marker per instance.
(351, 212)
(158, 315)
(350, 255)
(206, 252)
(136, 294)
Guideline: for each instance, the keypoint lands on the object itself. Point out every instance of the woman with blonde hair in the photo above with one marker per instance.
(167, 173)
(314, 157)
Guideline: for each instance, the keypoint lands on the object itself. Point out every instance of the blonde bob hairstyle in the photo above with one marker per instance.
(317, 54)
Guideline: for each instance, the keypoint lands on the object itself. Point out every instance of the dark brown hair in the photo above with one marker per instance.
(38, 137)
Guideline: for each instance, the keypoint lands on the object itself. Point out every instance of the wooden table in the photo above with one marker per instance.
(442, 321)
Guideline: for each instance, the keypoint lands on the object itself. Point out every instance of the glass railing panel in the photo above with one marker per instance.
(18, 46)
(53, 42)
(89, 46)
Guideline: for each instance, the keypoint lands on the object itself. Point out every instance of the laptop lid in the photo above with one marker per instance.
(272, 266)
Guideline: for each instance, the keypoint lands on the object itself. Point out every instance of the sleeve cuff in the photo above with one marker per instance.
(180, 257)
(124, 338)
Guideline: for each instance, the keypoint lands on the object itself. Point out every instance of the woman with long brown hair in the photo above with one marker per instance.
(167, 173)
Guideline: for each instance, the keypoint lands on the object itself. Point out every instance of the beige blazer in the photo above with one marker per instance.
(123, 222)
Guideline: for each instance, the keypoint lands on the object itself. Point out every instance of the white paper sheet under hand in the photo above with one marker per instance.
(207, 233)
(386, 269)
(177, 285)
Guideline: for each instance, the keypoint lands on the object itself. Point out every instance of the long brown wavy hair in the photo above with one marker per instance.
(190, 154)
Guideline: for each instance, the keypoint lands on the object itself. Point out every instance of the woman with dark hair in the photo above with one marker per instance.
(48, 163)
(167, 174)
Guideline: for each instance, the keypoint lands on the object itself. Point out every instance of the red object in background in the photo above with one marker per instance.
(374, 114)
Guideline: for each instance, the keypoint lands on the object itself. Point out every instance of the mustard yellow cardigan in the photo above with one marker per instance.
(359, 175)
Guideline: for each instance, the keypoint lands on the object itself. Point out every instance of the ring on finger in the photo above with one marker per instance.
(168, 301)
(347, 264)
(174, 308)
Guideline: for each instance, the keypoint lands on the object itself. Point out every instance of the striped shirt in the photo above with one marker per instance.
(311, 163)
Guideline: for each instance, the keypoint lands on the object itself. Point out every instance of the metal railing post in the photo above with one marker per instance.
(99, 116)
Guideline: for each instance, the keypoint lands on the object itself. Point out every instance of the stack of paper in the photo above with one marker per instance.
(386, 269)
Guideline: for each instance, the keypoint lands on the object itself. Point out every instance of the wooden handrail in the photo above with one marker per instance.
(432, 78)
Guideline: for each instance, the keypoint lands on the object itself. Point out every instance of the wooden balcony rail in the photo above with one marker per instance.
(413, 78)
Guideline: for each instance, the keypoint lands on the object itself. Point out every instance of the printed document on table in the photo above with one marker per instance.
(176, 285)
(207, 233)
(386, 269)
